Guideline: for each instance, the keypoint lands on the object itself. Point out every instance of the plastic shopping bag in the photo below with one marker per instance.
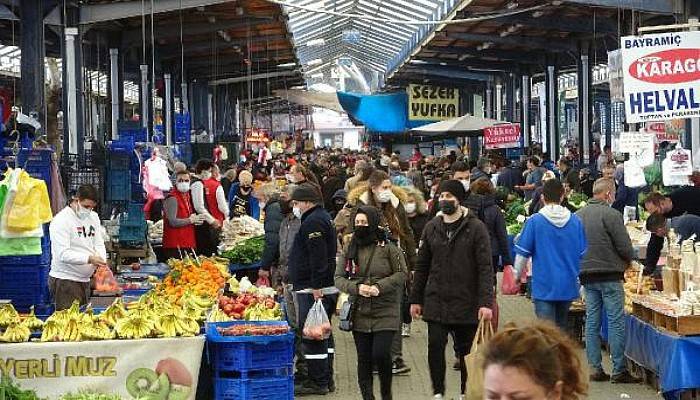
(509, 283)
(317, 325)
(475, 361)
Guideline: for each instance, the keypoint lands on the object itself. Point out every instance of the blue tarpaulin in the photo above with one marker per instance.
(672, 358)
(380, 113)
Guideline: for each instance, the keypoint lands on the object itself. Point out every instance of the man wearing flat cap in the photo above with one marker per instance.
(453, 281)
(311, 273)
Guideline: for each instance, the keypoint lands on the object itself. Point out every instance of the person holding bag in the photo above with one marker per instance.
(372, 271)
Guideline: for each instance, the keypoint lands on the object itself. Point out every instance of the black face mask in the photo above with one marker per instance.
(364, 235)
(447, 207)
(245, 188)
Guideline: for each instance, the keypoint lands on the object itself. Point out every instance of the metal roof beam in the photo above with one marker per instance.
(652, 6)
(517, 41)
(173, 50)
(522, 57)
(247, 78)
(446, 72)
(93, 13)
(478, 64)
(563, 24)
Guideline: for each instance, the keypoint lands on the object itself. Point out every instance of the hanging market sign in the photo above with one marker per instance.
(667, 131)
(661, 76)
(254, 135)
(146, 368)
(432, 103)
(639, 145)
(502, 136)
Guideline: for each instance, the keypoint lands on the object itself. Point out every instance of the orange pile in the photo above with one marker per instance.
(204, 279)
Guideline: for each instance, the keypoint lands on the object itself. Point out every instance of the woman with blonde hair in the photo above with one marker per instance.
(535, 361)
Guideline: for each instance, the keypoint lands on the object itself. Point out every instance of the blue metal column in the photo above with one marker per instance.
(525, 99)
(552, 104)
(583, 69)
(32, 60)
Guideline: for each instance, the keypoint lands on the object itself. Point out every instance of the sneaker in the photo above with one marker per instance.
(406, 330)
(437, 396)
(309, 388)
(455, 366)
(624, 377)
(599, 376)
(399, 367)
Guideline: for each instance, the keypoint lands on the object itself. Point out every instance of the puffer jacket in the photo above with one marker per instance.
(454, 277)
(609, 246)
(485, 208)
(387, 270)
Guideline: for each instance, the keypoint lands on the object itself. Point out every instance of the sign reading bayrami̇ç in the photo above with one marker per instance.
(432, 103)
(502, 136)
(132, 369)
(661, 76)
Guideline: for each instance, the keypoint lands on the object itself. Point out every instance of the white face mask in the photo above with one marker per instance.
(465, 183)
(290, 178)
(183, 187)
(410, 208)
(262, 204)
(205, 175)
(82, 212)
(384, 196)
(297, 212)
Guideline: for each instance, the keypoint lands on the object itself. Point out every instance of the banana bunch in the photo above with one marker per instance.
(134, 327)
(167, 325)
(218, 315)
(114, 313)
(72, 331)
(52, 331)
(16, 333)
(187, 327)
(98, 331)
(32, 322)
(8, 315)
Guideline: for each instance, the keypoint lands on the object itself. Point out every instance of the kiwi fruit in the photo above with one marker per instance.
(144, 383)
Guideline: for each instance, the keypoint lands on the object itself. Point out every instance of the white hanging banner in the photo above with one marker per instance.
(634, 175)
(676, 168)
(639, 145)
(661, 76)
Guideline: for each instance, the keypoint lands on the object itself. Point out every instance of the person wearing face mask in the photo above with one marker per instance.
(453, 281)
(482, 169)
(390, 200)
(240, 198)
(179, 219)
(460, 172)
(209, 201)
(372, 270)
(311, 269)
(418, 217)
(77, 249)
(270, 203)
(602, 273)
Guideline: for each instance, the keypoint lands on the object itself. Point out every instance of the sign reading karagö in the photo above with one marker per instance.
(502, 136)
(661, 76)
(432, 103)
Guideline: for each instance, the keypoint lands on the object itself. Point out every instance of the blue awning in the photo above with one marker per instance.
(379, 113)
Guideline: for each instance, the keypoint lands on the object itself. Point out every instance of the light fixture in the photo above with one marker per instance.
(317, 76)
(315, 42)
(287, 65)
(463, 57)
(537, 14)
(512, 5)
(557, 2)
(484, 46)
(314, 62)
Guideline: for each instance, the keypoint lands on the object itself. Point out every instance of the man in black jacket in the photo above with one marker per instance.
(679, 202)
(453, 281)
(311, 272)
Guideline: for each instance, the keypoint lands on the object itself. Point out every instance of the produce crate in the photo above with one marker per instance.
(86, 176)
(42, 259)
(132, 234)
(239, 267)
(119, 160)
(13, 276)
(242, 353)
(39, 172)
(123, 144)
(686, 325)
(26, 296)
(134, 214)
(118, 186)
(256, 388)
(159, 270)
(34, 158)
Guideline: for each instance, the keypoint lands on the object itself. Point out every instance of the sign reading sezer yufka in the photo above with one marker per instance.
(432, 103)
(661, 76)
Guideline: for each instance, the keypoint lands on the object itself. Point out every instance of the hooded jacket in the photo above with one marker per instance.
(273, 221)
(609, 246)
(556, 241)
(484, 206)
(453, 277)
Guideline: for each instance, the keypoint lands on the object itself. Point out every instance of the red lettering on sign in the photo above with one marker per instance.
(668, 66)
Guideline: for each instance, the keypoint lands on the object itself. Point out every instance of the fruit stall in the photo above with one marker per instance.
(152, 346)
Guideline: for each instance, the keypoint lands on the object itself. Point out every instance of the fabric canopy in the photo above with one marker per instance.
(460, 126)
(311, 98)
(379, 113)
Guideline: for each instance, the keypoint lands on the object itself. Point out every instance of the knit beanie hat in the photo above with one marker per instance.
(306, 192)
(454, 187)
(245, 177)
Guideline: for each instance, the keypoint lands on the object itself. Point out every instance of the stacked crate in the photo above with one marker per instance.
(132, 226)
(251, 367)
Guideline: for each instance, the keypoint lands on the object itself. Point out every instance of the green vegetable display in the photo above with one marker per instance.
(578, 200)
(246, 252)
(88, 395)
(12, 391)
(514, 229)
(515, 208)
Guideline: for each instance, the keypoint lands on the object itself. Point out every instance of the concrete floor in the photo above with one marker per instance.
(416, 385)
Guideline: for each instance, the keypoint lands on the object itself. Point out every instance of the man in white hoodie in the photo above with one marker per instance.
(77, 249)
(556, 241)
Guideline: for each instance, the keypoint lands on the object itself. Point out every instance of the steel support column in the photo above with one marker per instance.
(32, 60)
(72, 113)
(488, 108)
(511, 88)
(114, 94)
(525, 95)
(145, 97)
(552, 103)
(168, 100)
(583, 67)
(499, 100)
(185, 106)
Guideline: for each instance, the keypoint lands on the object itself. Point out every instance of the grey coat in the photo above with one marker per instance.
(387, 270)
(609, 245)
(288, 230)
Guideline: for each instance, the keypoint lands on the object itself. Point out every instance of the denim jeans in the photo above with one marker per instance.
(555, 311)
(611, 296)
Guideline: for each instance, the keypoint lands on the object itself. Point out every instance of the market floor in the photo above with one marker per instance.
(416, 385)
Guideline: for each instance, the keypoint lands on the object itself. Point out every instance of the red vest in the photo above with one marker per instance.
(211, 185)
(182, 237)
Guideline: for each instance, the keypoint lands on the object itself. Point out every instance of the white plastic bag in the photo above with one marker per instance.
(317, 325)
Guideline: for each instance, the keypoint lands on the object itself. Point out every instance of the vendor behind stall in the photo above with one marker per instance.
(77, 248)
(209, 201)
(179, 218)
(685, 226)
(240, 198)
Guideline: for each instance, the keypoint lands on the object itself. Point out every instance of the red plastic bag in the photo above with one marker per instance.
(509, 284)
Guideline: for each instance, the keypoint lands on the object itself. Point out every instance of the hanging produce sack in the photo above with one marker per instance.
(475, 361)
(509, 283)
(317, 325)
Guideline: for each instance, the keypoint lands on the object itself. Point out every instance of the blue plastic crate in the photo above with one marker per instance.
(238, 267)
(240, 353)
(38, 157)
(135, 292)
(134, 214)
(183, 152)
(159, 270)
(182, 134)
(132, 234)
(41, 259)
(138, 134)
(124, 144)
(119, 160)
(40, 172)
(12, 276)
(118, 186)
(262, 388)
(26, 296)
